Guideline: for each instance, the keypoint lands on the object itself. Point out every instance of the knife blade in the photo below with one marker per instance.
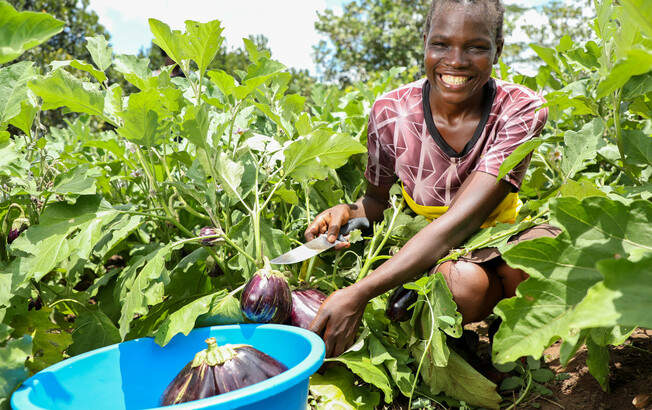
(319, 244)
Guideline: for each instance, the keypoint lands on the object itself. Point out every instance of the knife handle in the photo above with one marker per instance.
(355, 223)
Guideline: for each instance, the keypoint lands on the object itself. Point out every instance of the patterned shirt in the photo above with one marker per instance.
(404, 144)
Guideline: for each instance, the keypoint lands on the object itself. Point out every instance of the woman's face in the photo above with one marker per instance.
(460, 50)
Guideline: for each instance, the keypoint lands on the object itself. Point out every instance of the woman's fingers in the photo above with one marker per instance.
(328, 222)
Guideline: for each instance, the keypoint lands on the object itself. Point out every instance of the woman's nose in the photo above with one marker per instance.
(456, 57)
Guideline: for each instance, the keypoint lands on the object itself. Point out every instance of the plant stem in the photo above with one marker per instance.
(619, 136)
(373, 253)
(427, 348)
(523, 392)
(222, 265)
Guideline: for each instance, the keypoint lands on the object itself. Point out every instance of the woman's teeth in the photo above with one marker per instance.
(454, 80)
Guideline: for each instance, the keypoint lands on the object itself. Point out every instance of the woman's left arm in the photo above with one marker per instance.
(339, 317)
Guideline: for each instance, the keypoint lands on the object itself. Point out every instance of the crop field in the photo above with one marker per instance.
(101, 214)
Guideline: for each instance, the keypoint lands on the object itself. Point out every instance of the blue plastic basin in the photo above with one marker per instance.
(134, 374)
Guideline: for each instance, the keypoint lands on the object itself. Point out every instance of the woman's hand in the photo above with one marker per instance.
(329, 222)
(338, 319)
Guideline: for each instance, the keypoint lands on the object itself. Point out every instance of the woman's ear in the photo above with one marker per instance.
(499, 51)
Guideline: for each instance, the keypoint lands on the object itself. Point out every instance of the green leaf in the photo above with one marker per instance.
(336, 389)
(224, 81)
(139, 289)
(24, 30)
(277, 119)
(252, 51)
(203, 41)
(637, 61)
(580, 104)
(641, 12)
(49, 340)
(589, 58)
(257, 75)
(48, 242)
(458, 380)
(360, 364)
(12, 162)
(637, 85)
(581, 146)
(136, 71)
(597, 361)
(62, 89)
(143, 119)
(80, 65)
(518, 155)
(79, 181)
(562, 270)
(224, 309)
(169, 40)
(196, 126)
(637, 147)
(101, 53)
(621, 299)
(394, 360)
(13, 88)
(93, 329)
(580, 189)
(612, 226)
(548, 55)
(182, 320)
(25, 120)
(12, 365)
(229, 174)
(314, 155)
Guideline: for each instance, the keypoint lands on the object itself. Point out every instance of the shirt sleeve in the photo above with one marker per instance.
(521, 121)
(381, 159)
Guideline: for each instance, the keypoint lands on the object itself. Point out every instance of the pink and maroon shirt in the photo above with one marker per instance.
(404, 144)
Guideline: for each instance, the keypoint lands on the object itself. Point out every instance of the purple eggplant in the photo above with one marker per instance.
(220, 369)
(208, 231)
(18, 226)
(305, 304)
(266, 298)
(399, 302)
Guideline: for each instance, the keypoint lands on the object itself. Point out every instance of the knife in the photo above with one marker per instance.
(319, 244)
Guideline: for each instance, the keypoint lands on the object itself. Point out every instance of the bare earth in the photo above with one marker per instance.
(630, 376)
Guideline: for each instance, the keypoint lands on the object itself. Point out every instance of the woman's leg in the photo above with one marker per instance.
(509, 277)
(476, 289)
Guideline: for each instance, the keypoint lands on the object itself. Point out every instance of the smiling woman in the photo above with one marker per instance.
(444, 137)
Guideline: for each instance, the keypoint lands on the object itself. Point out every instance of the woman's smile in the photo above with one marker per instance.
(454, 80)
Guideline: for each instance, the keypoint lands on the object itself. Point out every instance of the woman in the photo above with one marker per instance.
(444, 137)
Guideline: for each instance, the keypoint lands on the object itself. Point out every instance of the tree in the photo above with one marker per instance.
(557, 19)
(370, 36)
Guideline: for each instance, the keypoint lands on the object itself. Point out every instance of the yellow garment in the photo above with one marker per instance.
(505, 212)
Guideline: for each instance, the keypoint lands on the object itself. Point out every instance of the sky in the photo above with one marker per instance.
(287, 24)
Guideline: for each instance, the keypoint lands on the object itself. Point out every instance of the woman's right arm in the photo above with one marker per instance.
(370, 206)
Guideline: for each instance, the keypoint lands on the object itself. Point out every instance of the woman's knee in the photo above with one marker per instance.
(475, 289)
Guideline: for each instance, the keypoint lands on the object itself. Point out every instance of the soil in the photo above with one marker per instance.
(574, 388)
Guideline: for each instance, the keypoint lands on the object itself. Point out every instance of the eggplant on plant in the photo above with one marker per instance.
(220, 369)
(305, 304)
(399, 302)
(266, 298)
